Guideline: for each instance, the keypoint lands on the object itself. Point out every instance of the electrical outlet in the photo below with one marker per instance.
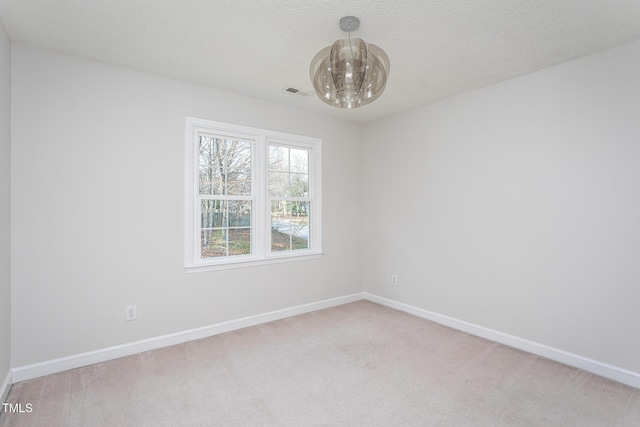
(394, 279)
(130, 313)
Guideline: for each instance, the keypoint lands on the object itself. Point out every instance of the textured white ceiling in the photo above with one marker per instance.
(437, 48)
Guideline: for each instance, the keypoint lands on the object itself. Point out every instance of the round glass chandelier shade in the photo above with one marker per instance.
(349, 74)
(348, 62)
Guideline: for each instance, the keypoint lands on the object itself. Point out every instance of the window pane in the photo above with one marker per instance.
(299, 185)
(239, 182)
(210, 170)
(213, 214)
(239, 241)
(299, 160)
(300, 238)
(213, 243)
(279, 184)
(278, 158)
(289, 225)
(288, 172)
(224, 166)
(226, 228)
(280, 239)
(238, 160)
(239, 213)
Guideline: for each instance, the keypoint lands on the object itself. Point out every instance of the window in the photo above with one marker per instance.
(252, 196)
(289, 197)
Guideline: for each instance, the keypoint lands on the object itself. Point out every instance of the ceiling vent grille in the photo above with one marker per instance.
(295, 91)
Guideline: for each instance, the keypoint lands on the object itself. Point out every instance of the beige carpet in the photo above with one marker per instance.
(359, 364)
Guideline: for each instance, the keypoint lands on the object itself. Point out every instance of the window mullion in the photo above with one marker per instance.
(260, 189)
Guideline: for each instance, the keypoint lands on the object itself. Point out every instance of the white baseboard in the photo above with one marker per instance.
(6, 386)
(595, 367)
(84, 359)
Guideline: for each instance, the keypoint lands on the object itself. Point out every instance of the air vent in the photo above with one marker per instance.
(295, 91)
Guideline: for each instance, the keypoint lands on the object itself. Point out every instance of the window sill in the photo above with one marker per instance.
(201, 268)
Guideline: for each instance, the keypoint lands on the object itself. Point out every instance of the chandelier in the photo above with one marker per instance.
(350, 73)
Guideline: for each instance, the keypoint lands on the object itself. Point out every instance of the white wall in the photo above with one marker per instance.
(517, 207)
(97, 185)
(5, 206)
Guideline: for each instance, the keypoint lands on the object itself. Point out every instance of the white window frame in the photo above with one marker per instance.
(261, 205)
